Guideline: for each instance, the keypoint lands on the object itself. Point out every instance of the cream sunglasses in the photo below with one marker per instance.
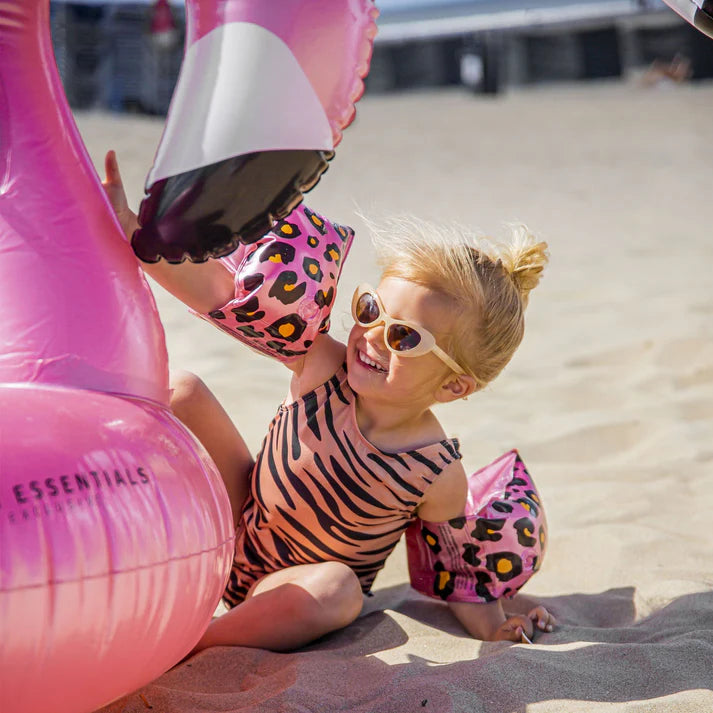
(402, 338)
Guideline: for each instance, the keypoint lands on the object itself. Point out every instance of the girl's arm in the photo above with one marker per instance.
(209, 286)
(201, 286)
(445, 500)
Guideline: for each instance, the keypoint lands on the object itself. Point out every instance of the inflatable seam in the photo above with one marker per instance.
(124, 571)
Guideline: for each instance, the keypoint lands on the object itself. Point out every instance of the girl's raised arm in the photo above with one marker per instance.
(201, 286)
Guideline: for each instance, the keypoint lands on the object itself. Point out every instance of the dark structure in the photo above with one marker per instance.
(108, 57)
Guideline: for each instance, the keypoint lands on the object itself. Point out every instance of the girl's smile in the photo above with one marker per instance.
(365, 361)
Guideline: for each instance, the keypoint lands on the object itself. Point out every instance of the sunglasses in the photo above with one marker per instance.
(402, 338)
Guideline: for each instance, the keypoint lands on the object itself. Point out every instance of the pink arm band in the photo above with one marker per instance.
(489, 552)
(285, 285)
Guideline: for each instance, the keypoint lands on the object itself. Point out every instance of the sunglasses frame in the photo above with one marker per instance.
(427, 343)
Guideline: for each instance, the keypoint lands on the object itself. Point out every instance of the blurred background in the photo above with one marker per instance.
(125, 56)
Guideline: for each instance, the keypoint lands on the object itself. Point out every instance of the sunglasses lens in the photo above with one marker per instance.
(367, 311)
(403, 338)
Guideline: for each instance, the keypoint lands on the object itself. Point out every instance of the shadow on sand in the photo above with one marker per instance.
(599, 653)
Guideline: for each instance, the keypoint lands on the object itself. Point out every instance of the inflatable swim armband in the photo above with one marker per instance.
(285, 285)
(493, 549)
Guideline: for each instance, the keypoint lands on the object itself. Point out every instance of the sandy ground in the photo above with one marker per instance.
(609, 399)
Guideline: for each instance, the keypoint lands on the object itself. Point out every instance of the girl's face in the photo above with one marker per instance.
(376, 372)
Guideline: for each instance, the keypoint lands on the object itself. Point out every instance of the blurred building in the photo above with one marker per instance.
(126, 55)
(116, 55)
(494, 44)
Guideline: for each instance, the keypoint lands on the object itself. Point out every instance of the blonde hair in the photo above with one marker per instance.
(488, 284)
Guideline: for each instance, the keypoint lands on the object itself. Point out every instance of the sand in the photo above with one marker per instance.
(609, 399)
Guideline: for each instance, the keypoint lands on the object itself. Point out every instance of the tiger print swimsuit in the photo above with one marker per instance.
(321, 492)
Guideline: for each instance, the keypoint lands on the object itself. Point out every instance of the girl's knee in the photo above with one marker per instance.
(186, 389)
(340, 594)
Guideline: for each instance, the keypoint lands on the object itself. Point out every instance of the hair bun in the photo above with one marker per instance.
(524, 258)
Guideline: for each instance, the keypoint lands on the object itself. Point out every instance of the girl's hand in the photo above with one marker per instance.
(114, 189)
(521, 629)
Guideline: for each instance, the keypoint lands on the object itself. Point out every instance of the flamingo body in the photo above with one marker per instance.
(115, 529)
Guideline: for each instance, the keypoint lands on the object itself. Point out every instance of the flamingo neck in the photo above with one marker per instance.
(77, 311)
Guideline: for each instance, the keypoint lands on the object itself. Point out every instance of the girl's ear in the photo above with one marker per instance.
(456, 386)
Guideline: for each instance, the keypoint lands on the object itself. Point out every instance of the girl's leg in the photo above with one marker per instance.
(289, 608)
(196, 407)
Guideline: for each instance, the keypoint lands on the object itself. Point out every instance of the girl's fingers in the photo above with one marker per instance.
(111, 168)
(537, 615)
(108, 165)
(510, 631)
(518, 635)
(544, 620)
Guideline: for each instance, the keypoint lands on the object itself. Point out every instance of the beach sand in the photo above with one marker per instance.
(609, 400)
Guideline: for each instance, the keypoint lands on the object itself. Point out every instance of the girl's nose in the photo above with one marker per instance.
(375, 337)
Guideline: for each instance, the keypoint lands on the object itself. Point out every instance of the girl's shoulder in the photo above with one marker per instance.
(325, 357)
(445, 498)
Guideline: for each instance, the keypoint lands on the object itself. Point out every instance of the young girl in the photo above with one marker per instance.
(354, 453)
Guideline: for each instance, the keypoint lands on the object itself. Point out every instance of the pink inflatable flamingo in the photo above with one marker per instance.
(115, 529)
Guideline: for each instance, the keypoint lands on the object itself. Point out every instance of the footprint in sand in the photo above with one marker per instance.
(590, 443)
